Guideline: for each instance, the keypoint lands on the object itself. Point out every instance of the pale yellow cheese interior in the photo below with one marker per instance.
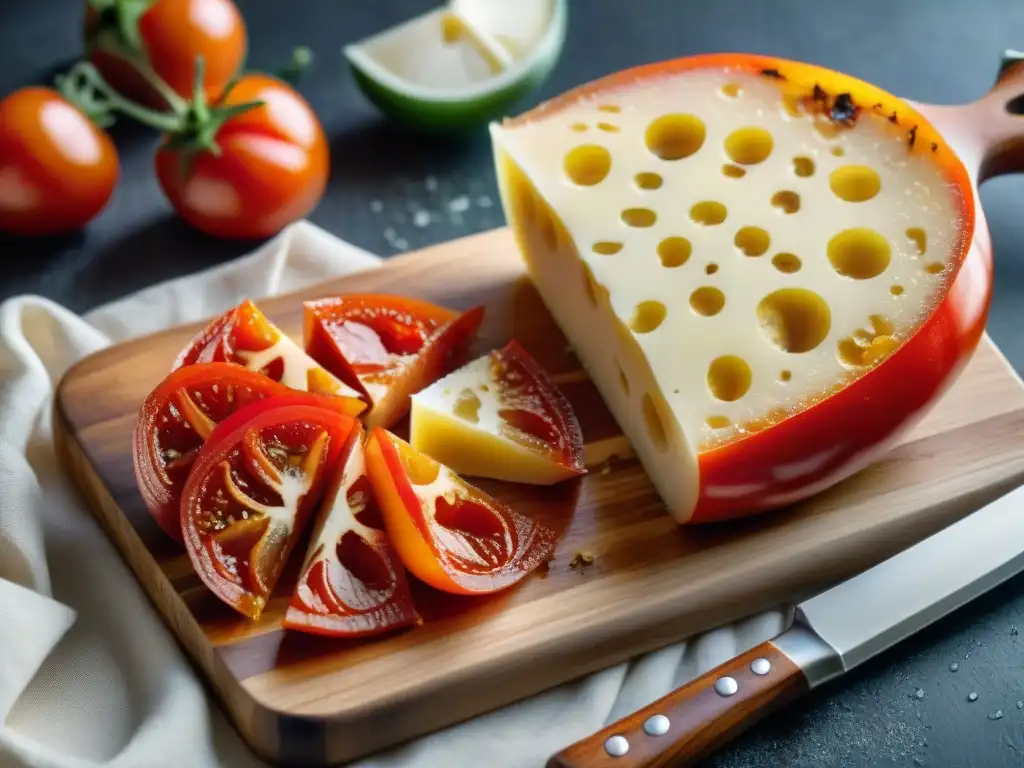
(718, 261)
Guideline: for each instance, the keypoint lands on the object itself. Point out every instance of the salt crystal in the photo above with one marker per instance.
(376, 206)
(1020, 705)
(484, 201)
(972, 696)
(421, 218)
(954, 667)
(997, 715)
(459, 204)
(430, 183)
(919, 693)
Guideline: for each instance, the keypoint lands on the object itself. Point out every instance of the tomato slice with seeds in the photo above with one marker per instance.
(352, 583)
(251, 491)
(449, 534)
(500, 416)
(179, 416)
(387, 347)
(245, 336)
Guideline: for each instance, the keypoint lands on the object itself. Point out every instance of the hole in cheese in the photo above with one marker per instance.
(647, 316)
(729, 378)
(896, 290)
(718, 422)
(673, 137)
(623, 381)
(652, 420)
(707, 301)
(868, 346)
(825, 127)
(749, 146)
(612, 108)
(467, 406)
(607, 127)
(917, 236)
(732, 90)
(733, 171)
(855, 183)
(607, 248)
(803, 166)
(795, 320)
(708, 212)
(578, 127)
(647, 180)
(785, 376)
(934, 267)
(786, 201)
(752, 241)
(860, 253)
(674, 251)
(639, 217)
(787, 263)
(420, 469)
(589, 284)
(588, 164)
(838, 150)
(711, 268)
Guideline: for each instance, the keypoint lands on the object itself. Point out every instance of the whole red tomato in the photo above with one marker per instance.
(57, 168)
(168, 36)
(269, 166)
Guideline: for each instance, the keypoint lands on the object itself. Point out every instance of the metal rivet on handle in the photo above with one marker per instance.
(726, 686)
(616, 746)
(656, 725)
(760, 666)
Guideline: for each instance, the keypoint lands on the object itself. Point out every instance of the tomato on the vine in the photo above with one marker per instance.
(57, 168)
(248, 173)
(165, 36)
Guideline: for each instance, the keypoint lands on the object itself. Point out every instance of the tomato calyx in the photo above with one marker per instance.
(116, 25)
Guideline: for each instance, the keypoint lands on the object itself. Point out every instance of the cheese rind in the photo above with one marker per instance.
(771, 238)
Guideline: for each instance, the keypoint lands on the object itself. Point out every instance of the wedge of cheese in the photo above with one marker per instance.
(759, 263)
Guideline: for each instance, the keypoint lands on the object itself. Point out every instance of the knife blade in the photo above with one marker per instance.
(832, 633)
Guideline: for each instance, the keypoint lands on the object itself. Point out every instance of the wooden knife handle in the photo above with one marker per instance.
(695, 720)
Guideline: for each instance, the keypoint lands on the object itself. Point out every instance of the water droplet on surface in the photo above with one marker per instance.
(997, 715)
(972, 696)
(954, 667)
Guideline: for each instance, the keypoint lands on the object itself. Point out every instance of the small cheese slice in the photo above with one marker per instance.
(499, 416)
(722, 252)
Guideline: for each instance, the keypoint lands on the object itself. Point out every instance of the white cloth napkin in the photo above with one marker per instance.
(89, 674)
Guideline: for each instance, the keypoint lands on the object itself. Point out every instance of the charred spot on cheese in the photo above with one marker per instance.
(764, 244)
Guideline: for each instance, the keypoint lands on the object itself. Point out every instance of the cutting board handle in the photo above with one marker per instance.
(988, 133)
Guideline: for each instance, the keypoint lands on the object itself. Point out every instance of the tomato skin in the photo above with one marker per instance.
(387, 347)
(219, 390)
(272, 168)
(474, 518)
(226, 448)
(58, 169)
(174, 33)
(353, 583)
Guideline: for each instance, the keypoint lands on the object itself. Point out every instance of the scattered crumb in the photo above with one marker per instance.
(459, 204)
(919, 693)
(954, 667)
(606, 469)
(997, 715)
(972, 696)
(376, 206)
(1020, 705)
(421, 218)
(581, 559)
(545, 567)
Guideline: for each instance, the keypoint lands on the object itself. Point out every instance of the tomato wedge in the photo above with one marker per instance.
(449, 534)
(387, 347)
(245, 336)
(353, 583)
(500, 416)
(251, 491)
(180, 415)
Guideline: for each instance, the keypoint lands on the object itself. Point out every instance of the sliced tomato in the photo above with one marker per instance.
(387, 347)
(251, 491)
(353, 583)
(449, 534)
(245, 336)
(180, 415)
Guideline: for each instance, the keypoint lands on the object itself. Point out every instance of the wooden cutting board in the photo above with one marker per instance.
(297, 698)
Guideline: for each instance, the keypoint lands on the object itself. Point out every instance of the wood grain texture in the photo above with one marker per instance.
(297, 698)
(699, 719)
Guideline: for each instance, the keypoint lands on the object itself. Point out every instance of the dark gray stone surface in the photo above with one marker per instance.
(940, 51)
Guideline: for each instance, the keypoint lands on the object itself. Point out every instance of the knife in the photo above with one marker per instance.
(832, 633)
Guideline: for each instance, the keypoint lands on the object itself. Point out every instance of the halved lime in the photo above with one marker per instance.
(460, 65)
